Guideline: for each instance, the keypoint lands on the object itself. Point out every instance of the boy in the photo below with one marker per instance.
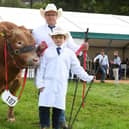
(52, 78)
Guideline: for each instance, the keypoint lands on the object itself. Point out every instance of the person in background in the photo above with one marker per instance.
(52, 78)
(127, 61)
(116, 64)
(103, 64)
(41, 34)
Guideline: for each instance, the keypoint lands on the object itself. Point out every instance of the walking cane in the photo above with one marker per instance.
(84, 65)
(73, 102)
(75, 117)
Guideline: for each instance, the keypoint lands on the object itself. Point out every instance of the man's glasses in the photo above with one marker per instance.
(50, 15)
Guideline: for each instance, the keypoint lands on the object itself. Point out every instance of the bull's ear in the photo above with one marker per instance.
(22, 27)
(25, 29)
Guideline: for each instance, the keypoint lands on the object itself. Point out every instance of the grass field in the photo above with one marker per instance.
(106, 107)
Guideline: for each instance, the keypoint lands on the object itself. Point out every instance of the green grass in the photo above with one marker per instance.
(106, 107)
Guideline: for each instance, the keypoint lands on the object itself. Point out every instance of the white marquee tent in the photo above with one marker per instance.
(105, 31)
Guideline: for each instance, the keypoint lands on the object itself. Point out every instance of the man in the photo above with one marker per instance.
(43, 40)
(116, 66)
(103, 64)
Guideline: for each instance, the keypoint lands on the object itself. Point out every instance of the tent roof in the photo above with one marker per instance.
(101, 26)
(74, 21)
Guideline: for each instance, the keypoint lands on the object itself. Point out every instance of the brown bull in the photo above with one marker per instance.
(20, 54)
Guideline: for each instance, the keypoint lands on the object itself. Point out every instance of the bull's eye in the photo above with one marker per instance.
(19, 43)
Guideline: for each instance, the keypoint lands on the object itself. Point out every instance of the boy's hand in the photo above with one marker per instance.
(94, 78)
(41, 89)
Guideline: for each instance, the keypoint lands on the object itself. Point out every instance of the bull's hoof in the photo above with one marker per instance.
(11, 119)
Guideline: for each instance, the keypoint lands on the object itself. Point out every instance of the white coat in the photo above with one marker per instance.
(117, 60)
(42, 34)
(53, 74)
(103, 60)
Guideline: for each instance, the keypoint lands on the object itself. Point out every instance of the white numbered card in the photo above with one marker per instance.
(9, 99)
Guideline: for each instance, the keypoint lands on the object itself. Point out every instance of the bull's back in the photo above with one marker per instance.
(7, 25)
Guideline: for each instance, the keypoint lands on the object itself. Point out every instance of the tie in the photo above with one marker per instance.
(58, 50)
(51, 27)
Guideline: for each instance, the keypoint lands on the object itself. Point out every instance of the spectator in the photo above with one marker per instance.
(127, 61)
(116, 66)
(103, 64)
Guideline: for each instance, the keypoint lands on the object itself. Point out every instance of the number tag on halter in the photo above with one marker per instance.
(9, 99)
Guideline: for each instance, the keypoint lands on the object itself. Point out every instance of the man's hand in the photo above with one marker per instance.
(41, 89)
(41, 48)
(85, 46)
(112, 62)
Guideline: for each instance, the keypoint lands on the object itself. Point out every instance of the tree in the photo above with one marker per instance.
(95, 6)
(13, 3)
(37, 5)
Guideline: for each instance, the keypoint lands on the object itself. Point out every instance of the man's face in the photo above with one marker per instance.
(51, 17)
(115, 53)
(102, 52)
(59, 39)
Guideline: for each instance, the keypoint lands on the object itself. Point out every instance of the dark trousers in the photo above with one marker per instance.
(103, 70)
(44, 115)
(62, 117)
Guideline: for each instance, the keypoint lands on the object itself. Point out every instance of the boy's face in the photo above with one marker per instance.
(59, 39)
(102, 52)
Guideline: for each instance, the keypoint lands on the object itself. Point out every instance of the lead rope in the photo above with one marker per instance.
(6, 72)
(84, 84)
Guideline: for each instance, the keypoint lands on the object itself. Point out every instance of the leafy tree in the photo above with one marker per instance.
(37, 5)
(13, 3)
(95, 6)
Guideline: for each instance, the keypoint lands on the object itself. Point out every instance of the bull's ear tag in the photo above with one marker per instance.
(9, 99)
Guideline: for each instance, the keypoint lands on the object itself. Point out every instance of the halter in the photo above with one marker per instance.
(16, 52)
(19, 51)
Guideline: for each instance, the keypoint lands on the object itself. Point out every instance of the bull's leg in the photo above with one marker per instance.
(2, 88)
(11, 116)
(13, 87)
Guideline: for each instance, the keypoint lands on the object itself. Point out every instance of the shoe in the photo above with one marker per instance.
(102, 81)
(64, 125)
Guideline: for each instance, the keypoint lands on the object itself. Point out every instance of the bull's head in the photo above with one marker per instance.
(21, 47)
